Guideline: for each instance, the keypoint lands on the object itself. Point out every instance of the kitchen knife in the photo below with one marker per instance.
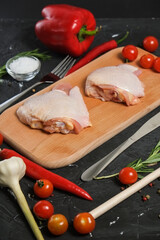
(96, 168)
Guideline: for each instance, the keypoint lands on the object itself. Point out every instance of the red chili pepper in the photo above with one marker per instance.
(66, 29)
(95, 52)
(37, 172)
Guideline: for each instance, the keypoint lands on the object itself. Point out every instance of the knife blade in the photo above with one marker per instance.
(96, 168)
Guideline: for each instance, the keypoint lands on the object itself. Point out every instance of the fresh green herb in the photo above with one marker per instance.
(42, 56)
(142, 166)
(3, 70)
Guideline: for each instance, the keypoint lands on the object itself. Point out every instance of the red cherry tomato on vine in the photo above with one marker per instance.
(1, 139)
(57, 224)
(84, 223)
(130, 52)
(43, 188)
(150, 43)
(128, 175)
(43, 209)
(146, 61)
(156, 64)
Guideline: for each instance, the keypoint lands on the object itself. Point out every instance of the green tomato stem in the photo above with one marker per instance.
(25, 208)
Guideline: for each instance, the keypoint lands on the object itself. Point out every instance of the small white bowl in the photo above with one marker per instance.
(23, 68)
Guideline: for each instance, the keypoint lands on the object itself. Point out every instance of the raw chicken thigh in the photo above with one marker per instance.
(60, 110)
(115, 83)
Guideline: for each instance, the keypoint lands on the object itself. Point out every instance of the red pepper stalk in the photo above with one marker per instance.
(95, 52)
(66, 29)
(37, 172)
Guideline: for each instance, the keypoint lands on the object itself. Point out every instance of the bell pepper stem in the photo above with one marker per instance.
(25, 208)
(84, 32)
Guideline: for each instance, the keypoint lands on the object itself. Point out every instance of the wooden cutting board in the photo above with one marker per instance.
(108, 119)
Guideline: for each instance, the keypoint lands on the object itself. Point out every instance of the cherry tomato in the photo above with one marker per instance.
(43, 209)
(84, 223)
(128, 175)
(130, 52)
(146, 61)
(1, 139)
(156, 64)
(57, 224)
(43, 188)
(150, 43)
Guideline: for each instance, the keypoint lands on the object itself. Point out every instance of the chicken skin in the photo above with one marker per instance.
(115, 83)
(61, 110)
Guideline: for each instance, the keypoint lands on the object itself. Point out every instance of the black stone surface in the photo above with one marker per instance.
(100, 9)
(132, 219)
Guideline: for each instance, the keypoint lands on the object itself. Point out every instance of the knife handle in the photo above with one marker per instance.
(13, 99)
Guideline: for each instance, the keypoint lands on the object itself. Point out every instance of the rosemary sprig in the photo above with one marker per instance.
(42, 56)
(142, 166)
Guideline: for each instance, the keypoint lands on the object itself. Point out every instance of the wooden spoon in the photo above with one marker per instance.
(90, 217)
(98, 211)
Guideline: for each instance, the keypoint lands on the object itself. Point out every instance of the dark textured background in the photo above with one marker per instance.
(133, 219)
(100, 8)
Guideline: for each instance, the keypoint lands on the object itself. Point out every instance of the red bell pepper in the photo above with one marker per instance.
(66, 29)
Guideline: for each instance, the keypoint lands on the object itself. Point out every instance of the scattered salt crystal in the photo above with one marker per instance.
(23, 65)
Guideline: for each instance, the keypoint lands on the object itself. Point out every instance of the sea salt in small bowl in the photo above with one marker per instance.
(23, 68)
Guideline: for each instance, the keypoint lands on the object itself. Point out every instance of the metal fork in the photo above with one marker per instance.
(56, 74)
